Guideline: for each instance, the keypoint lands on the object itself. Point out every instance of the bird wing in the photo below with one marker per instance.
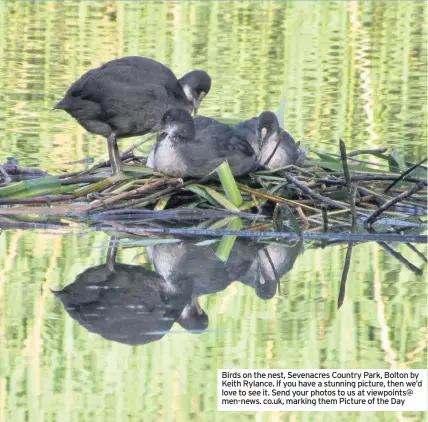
(130, 70)
(235, 145)
(118, 86)
(247, 130)
(202, 123)
(247, 125)
(221, 137)
(112, 80)
(290, 146)
(147, 68)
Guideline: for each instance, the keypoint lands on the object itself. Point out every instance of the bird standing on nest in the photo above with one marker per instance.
(128, 96)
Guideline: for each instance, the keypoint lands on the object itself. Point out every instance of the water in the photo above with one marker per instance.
(351, 70)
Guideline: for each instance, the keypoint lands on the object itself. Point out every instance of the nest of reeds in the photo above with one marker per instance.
(331, 193)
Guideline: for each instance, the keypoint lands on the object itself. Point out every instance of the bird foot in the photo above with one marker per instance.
(118, 176)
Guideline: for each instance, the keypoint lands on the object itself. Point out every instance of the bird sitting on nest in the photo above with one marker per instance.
(196, 147)
(274, 146)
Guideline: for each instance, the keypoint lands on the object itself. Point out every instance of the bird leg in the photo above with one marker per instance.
(6, 177)
(112, 252)
(113, 153)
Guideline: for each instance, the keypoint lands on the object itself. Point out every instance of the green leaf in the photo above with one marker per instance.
(226, 243)
(198, 190)
(396, 162)
(29, 188)
(219, 224)
(229, 185)
(247, 205)
(221, 199)
(334, 166)
(94, 187)
(280, 113)
(161, 204)
(123, 187)
(63, 189)
(419, 172)
(325, 156)
(192, 204)
(338, 167)
(146, 242)
(379, 155)
(140, 170)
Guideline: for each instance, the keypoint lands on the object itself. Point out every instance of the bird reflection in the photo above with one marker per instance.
(129, 303)
(269, 266)
(133, 305)
(200, 264)
(257, 265)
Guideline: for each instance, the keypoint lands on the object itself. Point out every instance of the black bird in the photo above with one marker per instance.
(128, 96)
(194, 148)
(274, 146)
(131, 304)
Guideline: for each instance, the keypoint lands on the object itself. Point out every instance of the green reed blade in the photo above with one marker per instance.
(280, 114)
(161, 204)
(146, 242)
(221, 199)
(226, 243)
(28, 188)
(229, 185)
(199, 190)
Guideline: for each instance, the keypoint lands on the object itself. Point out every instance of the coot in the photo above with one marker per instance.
(127, 97)
(194, 148)
(274, 146)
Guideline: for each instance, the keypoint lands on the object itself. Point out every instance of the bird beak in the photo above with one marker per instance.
(263, 134)
(196, 305)
(193, 305)
(197, 102)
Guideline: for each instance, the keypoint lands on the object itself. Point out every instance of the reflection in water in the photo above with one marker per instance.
(269, 266)
(55, 366)
(200, 264)
(133, 305)
(129, 303)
